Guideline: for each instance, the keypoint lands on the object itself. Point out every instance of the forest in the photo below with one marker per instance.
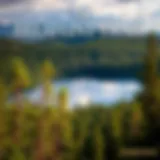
(100, 57)
(55, 132)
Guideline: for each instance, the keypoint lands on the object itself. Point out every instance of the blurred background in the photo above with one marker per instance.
(79, 79)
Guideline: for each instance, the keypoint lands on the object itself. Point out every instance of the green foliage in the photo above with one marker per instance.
(8, 49)
(20, 73)
(96, 132)
(150, 96)
(120, 52)
(48, 70)
(17, 154)
(98, 144)
(3, 91)
(117, 122)
(84, 132)
(63, 99)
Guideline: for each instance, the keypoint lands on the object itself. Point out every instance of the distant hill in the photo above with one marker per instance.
(102, 57)
(74, 38)
(90, 57)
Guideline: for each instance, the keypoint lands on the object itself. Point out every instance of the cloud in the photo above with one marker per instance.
(10, 2)
(127, 1)
(97, 6)
(61, 15)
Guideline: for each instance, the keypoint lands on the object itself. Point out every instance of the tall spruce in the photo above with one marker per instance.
(8, 50)
(151, 99)
(48, 72)
(98, 144)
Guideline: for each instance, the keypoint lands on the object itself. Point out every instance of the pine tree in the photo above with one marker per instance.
(137, 124)
(63, 100)
(47, 72)
(98, 144)
(151, 96)
(80, 132)
(62, 128)
(39, 150)
(20, 78)
(42, 147)
(20, 81)
(65, 123)
(3, 117)
(3, 93)
(8, 49)
(117, 118)
(151, 68)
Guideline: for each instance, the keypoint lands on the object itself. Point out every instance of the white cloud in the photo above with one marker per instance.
(126, 16)
(39, 5)
(97, 7)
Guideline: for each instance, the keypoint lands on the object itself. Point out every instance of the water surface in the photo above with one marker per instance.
(86, 91)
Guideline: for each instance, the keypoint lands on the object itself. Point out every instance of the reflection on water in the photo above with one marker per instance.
(85, 91)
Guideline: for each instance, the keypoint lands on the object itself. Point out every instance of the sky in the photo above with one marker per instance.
(133, 16)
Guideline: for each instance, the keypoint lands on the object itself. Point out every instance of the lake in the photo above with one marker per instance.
(84, 91)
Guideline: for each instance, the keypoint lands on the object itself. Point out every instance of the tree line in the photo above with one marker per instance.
(113, 53)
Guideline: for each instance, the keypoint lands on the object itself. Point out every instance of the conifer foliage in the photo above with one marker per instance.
(54, 131)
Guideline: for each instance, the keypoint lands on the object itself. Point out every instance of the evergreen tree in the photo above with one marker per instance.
(47, 72)
(98, 144)
(137, 125)
(63, 100)
(151, 96)
(8, 50)
(81, 128)
(3, 93)
(20, 81)
(3, 118)
(117, 121)
(39, 150)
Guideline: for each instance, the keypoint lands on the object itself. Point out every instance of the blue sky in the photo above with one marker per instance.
(64, 15)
